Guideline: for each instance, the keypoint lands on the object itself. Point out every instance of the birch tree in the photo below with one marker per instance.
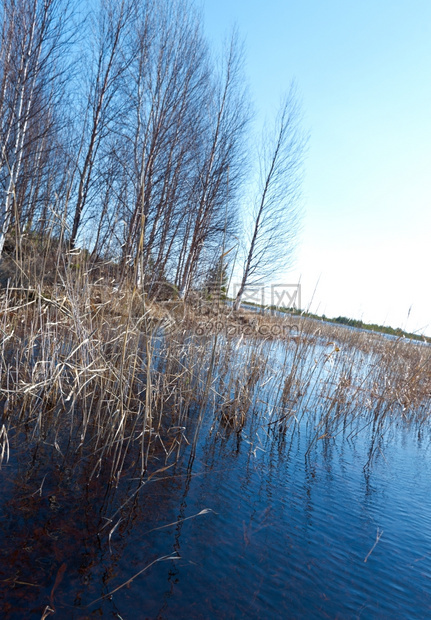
(275, 216)
(111, 27)
(166, 91)
(220, 168)
(32, 38)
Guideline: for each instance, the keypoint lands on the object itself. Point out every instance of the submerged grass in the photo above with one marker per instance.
(100, 374)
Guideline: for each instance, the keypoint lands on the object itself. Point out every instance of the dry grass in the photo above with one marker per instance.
(77, 368)
(97, 371)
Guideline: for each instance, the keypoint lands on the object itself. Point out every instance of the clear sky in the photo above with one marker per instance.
(363, 71)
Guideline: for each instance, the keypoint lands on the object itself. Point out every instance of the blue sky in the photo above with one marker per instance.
(363, 71)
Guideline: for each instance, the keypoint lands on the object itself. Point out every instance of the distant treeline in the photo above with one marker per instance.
(383, 329)
(342, 320)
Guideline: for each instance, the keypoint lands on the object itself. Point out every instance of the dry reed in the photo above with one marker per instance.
(94, 369)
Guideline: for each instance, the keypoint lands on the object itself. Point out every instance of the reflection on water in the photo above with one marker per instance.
(294, 512)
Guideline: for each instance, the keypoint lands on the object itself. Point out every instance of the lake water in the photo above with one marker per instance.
(256, 525)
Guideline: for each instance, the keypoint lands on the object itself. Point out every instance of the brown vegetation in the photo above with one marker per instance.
(104, 371)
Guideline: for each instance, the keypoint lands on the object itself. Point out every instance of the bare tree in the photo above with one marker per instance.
(166, 91)
(32, 40)
(275, 216)
(110, 63)
(220, 168)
